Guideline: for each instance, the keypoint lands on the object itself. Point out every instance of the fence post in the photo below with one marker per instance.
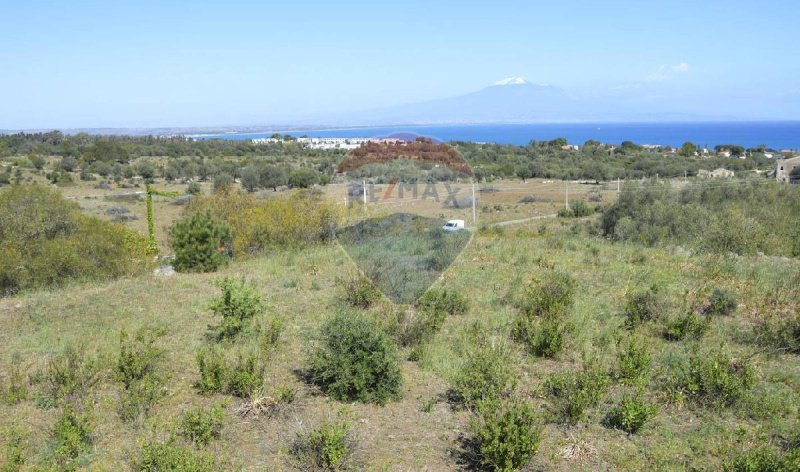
(474, 213)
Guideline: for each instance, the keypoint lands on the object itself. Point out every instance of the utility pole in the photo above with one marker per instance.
(474, 213)
(618, 189)
(684, 177)
(364, 192)
(566, 194)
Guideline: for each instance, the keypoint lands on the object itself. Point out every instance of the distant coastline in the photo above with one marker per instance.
(773, 134)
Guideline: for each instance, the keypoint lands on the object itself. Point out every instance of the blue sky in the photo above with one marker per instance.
(174, 63)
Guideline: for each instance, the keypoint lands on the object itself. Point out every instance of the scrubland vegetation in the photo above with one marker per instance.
(633, 337)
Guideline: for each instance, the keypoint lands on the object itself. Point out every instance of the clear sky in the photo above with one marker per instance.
(176, 63)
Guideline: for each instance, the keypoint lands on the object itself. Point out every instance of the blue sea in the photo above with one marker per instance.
(773, 134)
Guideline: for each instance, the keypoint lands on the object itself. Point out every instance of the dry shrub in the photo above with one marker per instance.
(288, 221)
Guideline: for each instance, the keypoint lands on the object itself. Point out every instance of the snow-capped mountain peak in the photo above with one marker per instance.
(511, 81)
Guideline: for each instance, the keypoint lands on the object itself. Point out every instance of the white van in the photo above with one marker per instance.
(454, 225)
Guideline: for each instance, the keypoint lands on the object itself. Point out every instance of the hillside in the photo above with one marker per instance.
(424, 429)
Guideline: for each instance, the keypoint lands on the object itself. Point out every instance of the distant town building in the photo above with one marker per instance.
(329, 143)
(724, 153)
(784, 168)
(718, 173)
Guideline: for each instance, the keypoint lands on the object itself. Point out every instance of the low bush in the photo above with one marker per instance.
(15, 387)
(359, 292)
(574, 392)
(72, 436)
(355, 361)
(644, 306)
(688, 326)
(269, 334)
(71, 375)
(448, 301)
(173, 456)
(632, 412)
(246, 376)
(779, 333)
(720, 303)
(716, 379)
(544, 324)
(763, 458)
(553, 294)
(14, 451)
(237, 305)
(201, 243)
(543, 337)
(202, 425)
(633, 358)
(507, 433)
(140, 369)
(45, 240)
(421, 327)
(213, 370)
(487, 373)
(329, 446)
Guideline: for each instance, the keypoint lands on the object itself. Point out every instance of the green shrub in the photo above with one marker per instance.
(202, 425)
(15, 389)
(543, 337)
(689, 325)
(721, 303)
(201, 243)
(580, 209)
(172, 456)
(507, 433)
(487, 373)
(709, 217)
(553, 294)
(633, 357)
(355, 360)
(422, 327)
(14, 452)
(138, 355)
(71, 375)
(45, 240)
(269, 334)
(763, 458)
(326, 447)
(213, 370)
(237, 305)
(193, 188)
(632, 412)
(246, 376)
(714, 378)
(140, 369)
(72, 435)
(779, 333)
(641, 307)
(359, 292)
(448, 301)
(543, 324)
(574, 392)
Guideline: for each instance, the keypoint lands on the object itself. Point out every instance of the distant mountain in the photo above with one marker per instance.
(511, 100)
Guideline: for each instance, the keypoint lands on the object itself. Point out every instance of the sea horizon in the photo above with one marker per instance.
(774, 134)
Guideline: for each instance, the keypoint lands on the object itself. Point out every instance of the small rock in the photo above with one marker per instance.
(760, 254)
(164, 271)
